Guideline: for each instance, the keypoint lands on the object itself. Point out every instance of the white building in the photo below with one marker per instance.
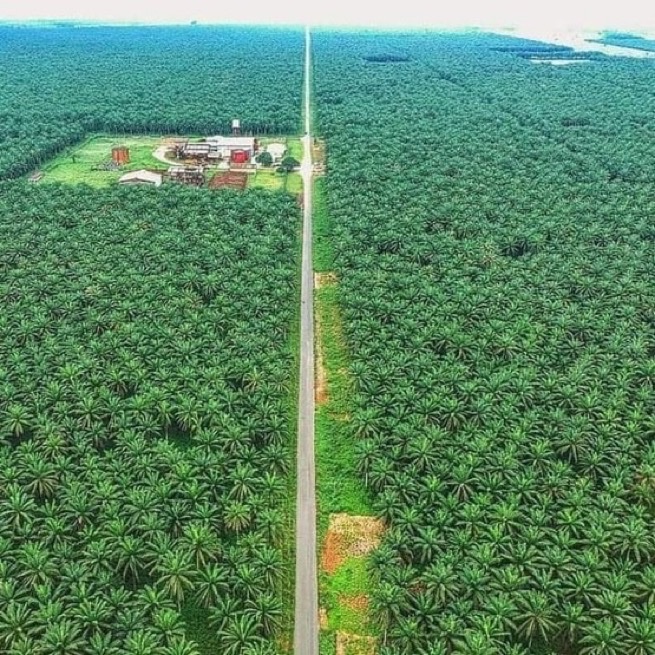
(277, 151)
(222, 147)
(141, 177)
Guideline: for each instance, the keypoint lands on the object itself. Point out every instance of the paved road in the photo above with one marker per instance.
(160, 155)
(305, 638)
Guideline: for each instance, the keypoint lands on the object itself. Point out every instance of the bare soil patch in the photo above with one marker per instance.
(229, 180)
(359, 603)
(318, 151)
(324, 280)
(323, 623)
(349, 536)
(348, 644)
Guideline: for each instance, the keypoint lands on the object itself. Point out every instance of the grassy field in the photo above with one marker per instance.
(75, 165)
(339, 486)
(269, 179)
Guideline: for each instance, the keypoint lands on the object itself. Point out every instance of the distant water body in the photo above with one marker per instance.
(580, 41)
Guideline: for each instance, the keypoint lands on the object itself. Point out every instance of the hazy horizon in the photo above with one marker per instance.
(555, 15)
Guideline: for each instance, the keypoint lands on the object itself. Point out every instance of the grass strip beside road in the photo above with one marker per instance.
(340, 488)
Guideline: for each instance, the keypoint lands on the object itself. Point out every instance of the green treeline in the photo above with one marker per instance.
(145, 422)
(60, 84)
(493, 237)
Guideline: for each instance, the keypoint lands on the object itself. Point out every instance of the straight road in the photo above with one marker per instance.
(305, 637)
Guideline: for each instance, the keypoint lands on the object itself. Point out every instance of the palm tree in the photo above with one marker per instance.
(202, 543)
(211, 585)
(239, 635)
(267, 610)
(406, 635)
(386, 604)
(536, 618)
(62, 637)
(142, 642)
(16, 623)
(601, 638)
(176, 574)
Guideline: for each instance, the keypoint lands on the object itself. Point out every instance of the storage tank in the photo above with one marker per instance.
(120, 155)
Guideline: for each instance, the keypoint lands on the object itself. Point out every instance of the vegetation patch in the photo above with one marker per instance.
(148, 398)
(502, 410)
(89, 162)
(386, 58)
(324, 279)
(349, 644)
(349, 536)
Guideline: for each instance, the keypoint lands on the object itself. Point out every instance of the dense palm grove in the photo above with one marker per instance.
(144, 417)
(62, 83)
(495, 257)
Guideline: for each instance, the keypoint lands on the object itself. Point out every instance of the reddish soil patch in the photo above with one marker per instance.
(332, 556)
(349, 536)
(357, 603)
(230, 180)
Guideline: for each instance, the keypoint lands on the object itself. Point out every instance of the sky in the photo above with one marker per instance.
(635, 15)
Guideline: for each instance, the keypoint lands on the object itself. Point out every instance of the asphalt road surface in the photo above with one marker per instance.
(305, 638)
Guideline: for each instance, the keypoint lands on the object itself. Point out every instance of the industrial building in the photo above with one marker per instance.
(235, 149)
(238, 149)
(194, 175)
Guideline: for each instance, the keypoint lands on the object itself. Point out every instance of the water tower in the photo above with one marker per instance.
(120, 155)
(236, 127)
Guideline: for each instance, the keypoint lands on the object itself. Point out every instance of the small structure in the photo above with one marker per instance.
(236, 127)
(142, 177)
(120, 155)
(37, 176)
(277, 151)
(194, 175)
(239, 156)
(198, 151)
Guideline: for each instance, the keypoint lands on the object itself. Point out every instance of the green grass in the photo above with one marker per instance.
(339, 486)
(75, 165)
(323, 253)
(326, 644)
(197, 627)
(273, 181)
(295, 148)
(350, 580)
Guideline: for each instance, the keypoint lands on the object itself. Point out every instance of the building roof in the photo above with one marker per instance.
(245, 142)
(197, 147)
(276, 149)
(173, 170)
(142, 176)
